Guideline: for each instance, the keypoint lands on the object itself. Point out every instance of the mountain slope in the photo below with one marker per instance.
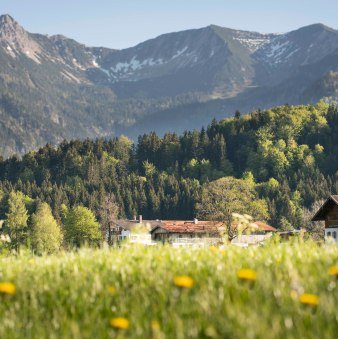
(212, 60)
(53, 88)
(45, 94)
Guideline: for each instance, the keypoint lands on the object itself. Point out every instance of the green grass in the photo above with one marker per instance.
(67, 295)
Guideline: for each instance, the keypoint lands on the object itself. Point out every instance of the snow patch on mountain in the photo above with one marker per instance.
(130, 70)
(78, 65)
(277, 48)
(253, 44)
(10, 51)
(134, 64)
(180, 52)
(278, 51)
(106, 72)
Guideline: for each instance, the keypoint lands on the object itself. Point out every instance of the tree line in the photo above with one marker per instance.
(30, 224)
(287, 156)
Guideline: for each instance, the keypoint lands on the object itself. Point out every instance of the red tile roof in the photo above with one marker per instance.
(181, 226)
(265, 227)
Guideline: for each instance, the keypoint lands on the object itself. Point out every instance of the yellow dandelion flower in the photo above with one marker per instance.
(309, 299)
(155, 325)
(7, 288)
(111, 290)
(184, 281)
(119, 323)
(213, 249)
(247, 274)
(333, 271)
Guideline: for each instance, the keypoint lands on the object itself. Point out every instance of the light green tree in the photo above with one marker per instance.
(16, 222)
(46, 233)
(221, 198)
(81, 227)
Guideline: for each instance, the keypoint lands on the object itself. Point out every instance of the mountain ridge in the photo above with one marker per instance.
(53, 87)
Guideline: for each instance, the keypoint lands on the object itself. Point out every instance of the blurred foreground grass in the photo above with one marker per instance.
(163, 292)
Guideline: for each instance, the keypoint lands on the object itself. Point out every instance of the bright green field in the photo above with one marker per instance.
(66, 296)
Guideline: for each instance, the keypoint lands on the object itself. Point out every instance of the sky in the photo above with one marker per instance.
(124, 23)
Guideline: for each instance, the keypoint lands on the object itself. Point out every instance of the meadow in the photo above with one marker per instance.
(281, 290)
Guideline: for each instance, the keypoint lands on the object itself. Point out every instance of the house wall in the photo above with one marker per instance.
(332, 218)
(118, 234)
(251, 238)
(331, 233)
(162, 235)
(166, 236)
(125, 234)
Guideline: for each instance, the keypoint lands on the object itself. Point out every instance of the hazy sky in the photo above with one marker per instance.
(124, 23)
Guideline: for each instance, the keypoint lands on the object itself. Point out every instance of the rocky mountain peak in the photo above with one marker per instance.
(9, 27)
(16, 41)
(316, 27)
(6, 19)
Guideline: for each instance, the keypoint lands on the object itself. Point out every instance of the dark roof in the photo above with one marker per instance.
(325, 208)
(130, 224)
(291, 232)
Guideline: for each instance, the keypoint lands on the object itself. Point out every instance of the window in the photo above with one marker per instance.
(329, 234)
(334, 234)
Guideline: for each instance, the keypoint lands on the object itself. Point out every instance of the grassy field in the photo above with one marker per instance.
(163, 292)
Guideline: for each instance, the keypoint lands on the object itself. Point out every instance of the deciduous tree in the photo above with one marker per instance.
(81, 227)
(46, 233)
(223, 197)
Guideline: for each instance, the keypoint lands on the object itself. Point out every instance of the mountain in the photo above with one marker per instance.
(53, 87)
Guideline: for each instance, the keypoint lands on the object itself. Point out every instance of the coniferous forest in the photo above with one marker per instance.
(288, 155)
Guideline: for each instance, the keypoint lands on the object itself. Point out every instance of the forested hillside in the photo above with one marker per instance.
(288, 155)
(54, 88)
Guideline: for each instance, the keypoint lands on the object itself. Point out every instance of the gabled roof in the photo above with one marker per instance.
(210, 227)
(129, 225)
(262, 226)
(181, 226)
(326, 207)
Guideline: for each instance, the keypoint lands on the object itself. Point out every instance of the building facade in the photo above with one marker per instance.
(183, 232)
(177, 232)
(328, 213)
(136, 230)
